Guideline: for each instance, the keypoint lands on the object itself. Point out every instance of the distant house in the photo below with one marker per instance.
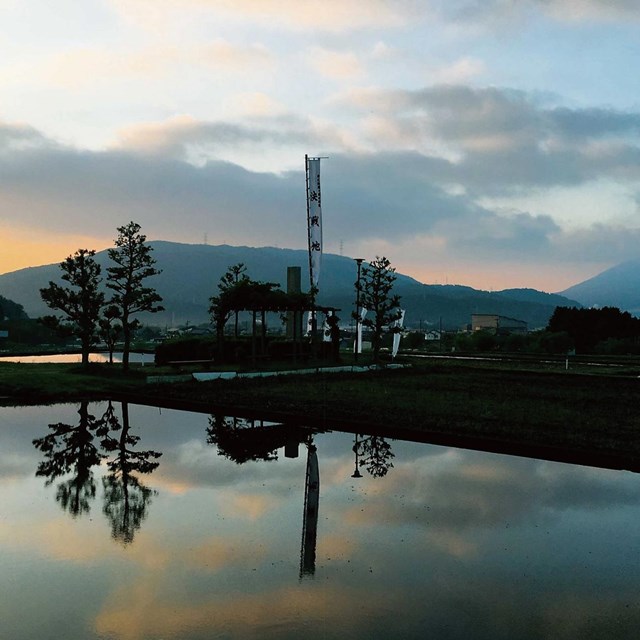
(500, 325)
(431, 335)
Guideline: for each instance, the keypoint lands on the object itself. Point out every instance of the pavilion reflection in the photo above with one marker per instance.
(248, 440)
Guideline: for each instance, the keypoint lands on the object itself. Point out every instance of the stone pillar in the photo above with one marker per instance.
(294, 279)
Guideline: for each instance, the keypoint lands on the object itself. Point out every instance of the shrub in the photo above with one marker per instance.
(195, 348)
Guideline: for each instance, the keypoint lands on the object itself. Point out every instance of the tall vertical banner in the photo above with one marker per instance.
(314, 219)
(396, 336)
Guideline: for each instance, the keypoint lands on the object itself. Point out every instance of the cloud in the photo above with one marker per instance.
(460, 491)
(496, 140)
(440, 201)
(77, 68)
(566, 11)
(458, 72)
(331, 15)
(20, 137)
(341, 65)
(590, 10)
(184, 137)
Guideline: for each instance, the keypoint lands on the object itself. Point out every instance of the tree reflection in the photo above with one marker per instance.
(76, 449)
(242, 440)
(71, 449)
(126, 498)
(375, 455)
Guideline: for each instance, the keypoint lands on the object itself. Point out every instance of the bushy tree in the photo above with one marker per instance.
(235, 273)
(588, 327)
(376, 286)
(80, 302)
(133, 265)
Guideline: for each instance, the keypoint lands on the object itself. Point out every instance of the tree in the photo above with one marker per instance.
(110, 329)
(588, 327)
(80, 303)
(133, 265)
(235, 273)
(375, 287)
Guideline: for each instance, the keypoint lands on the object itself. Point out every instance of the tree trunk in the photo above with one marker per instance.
(86, 346)
(126, 347)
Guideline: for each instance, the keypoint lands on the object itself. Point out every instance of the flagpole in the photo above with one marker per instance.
(311, 288)
(306, 173)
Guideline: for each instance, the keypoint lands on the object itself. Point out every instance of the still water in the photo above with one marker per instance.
(127, 522)
(144, 358)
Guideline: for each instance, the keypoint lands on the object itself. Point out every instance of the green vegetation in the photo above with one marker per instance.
(522, 402)
(132, 265)
(80, 303)
(606, 330)
(82, 309)
(374, 289)
(48, 383)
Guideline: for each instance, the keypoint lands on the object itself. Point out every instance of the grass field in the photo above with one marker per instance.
(530, 403)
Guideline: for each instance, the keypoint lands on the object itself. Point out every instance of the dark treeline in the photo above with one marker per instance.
(592, 330)
(606, 331)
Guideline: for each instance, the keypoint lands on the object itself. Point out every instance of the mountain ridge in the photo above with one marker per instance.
(618, 286)
(190, 274)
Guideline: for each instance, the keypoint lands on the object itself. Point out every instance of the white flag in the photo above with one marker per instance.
(314, 221)
(363, 315)
(309, 323)
(396, 336)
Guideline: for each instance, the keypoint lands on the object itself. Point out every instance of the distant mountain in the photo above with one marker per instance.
(615, 287)
(533, 295)
(190, 275)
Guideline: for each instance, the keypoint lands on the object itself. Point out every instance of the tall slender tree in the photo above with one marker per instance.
(133, 265)
(81, 302)
(375, 289)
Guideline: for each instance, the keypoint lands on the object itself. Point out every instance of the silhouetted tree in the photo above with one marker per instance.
(376, 285)
(234, 274)
(80, 303)
(71, 449)
(588, 327)
(375, 455)
(110, 328)
(220, 308)
(133, 265)
(126, 498)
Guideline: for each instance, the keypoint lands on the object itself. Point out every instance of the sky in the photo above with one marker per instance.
(491, 143)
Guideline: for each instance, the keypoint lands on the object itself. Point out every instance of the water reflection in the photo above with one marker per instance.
(143, 358)
(310, 513)
(71, 449)
(374, 454)
(448, 543)
(243, 440)
(248, 440)
(126, 498)
(77, 449)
